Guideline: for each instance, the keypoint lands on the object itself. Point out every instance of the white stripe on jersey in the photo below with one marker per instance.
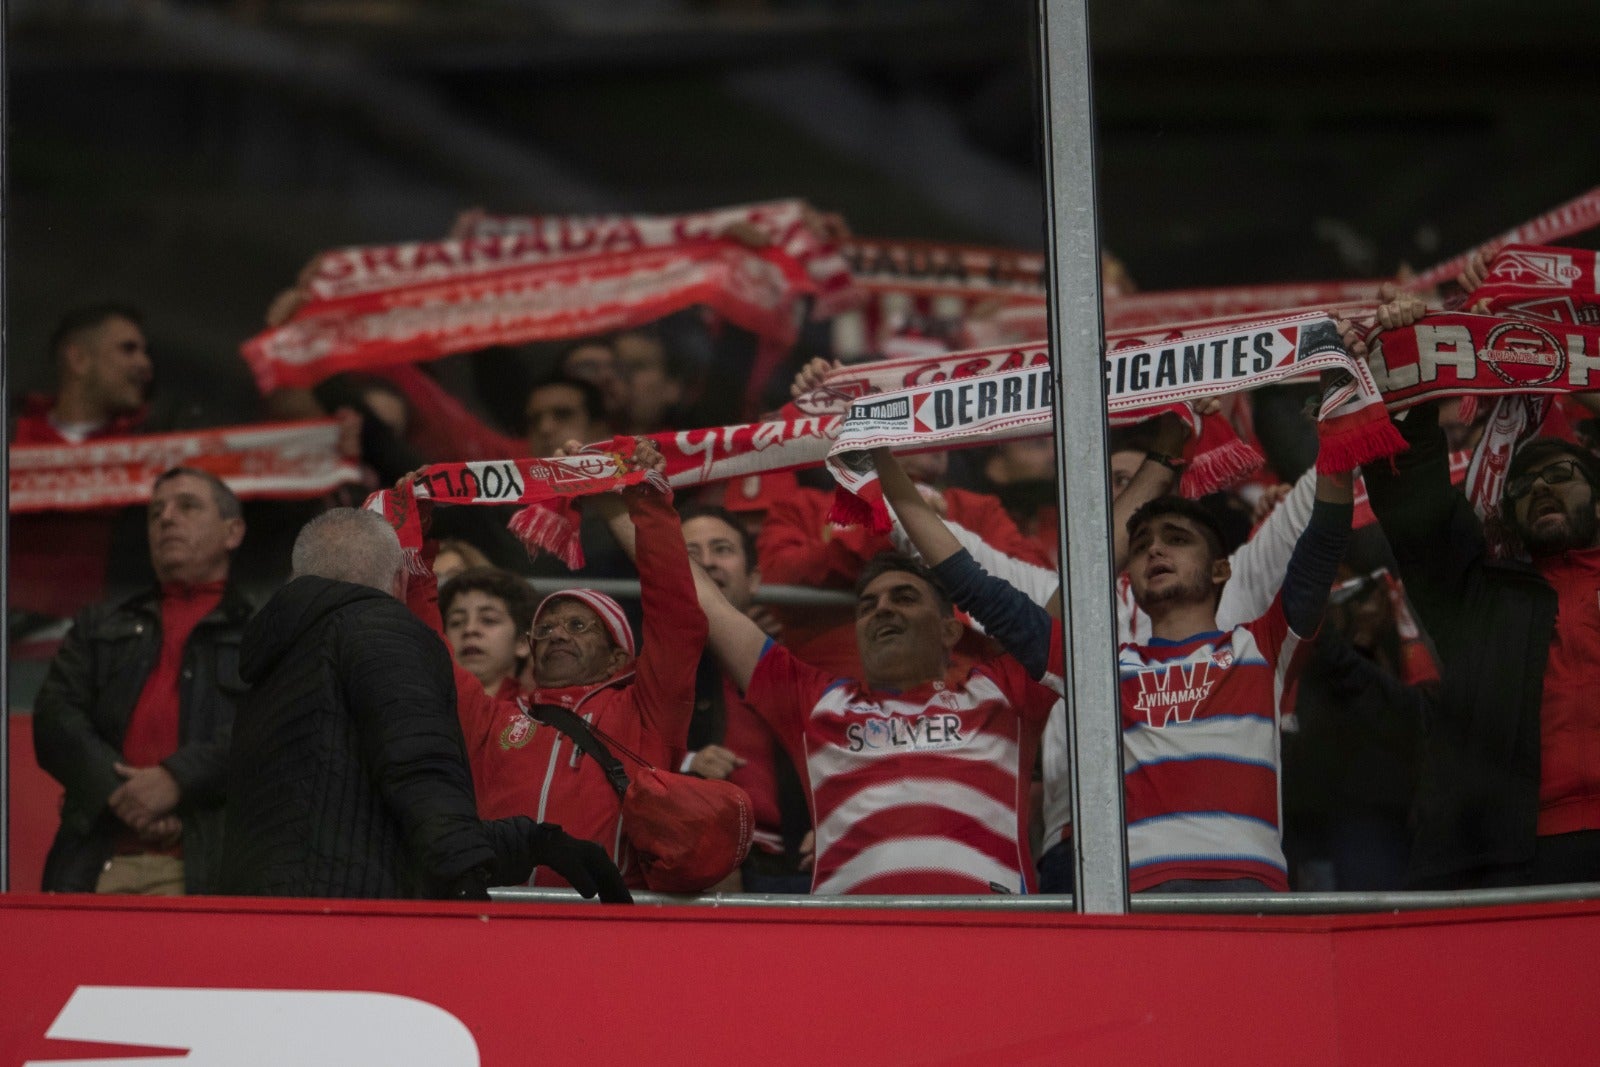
(919, 854)
(838, 703)
(935, 792)
(1198, 837)
(1241, 738)
(977, 746)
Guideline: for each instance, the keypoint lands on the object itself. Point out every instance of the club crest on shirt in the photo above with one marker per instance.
(1173, 694)
(518, 732)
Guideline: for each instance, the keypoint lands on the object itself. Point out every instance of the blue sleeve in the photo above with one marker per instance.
(1314, 566)
(1021, 626)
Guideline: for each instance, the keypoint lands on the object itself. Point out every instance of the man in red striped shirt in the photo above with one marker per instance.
(917, 783)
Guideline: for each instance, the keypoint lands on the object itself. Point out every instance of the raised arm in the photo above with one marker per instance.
(736, 641)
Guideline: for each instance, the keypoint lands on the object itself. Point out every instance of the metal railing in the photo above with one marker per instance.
(795, 596)
(1142, 904)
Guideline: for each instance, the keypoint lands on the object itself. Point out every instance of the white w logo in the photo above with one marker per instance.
(1164, 702)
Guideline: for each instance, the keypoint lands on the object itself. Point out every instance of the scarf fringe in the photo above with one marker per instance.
(1348, 441)
(851, 510)
(1220, 467)
(543, 528)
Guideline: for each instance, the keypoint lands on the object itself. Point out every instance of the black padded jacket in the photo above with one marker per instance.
(348, 774)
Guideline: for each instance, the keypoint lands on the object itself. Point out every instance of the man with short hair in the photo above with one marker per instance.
(135, 716)
(103, 373)
(1509, 792)
(1200, 706)
(59, 560)
(349, 775)
(917, 785)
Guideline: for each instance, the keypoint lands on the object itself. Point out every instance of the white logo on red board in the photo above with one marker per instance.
(262, 1027)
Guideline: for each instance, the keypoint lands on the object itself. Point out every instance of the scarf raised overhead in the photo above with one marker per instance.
(276, 461)
(563, 277)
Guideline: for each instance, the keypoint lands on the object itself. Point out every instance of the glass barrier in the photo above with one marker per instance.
(413, 239)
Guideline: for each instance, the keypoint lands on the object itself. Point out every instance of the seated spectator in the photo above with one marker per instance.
(487, 613)
(1200, 707)
(135, 717)
(736, 744)
(563, 409)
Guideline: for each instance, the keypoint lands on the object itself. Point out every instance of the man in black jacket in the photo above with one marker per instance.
(1506, 794)
(348, 775)
(135, 716)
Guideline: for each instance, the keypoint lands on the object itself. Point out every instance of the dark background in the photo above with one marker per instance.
(189, 157)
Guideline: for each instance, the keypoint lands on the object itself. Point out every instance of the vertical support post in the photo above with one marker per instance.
(1077, 342)
(5, 487)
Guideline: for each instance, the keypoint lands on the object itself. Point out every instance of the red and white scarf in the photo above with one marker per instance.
(1543, 283)
(1575, 216)
(1214, 455)
(279, 461)
(1353, 425)
(568, 277)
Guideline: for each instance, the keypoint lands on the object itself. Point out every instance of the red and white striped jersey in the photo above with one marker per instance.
(1202, 765)
(922, 791)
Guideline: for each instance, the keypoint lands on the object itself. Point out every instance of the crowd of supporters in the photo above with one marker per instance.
(1317, 693)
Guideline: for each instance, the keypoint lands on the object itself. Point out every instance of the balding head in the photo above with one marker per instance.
(351, 545)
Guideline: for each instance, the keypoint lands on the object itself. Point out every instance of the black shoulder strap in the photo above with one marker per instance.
(573, 726)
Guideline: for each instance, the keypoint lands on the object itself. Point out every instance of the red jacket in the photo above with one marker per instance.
(521, 767)
(1569, 715)
(800, 547)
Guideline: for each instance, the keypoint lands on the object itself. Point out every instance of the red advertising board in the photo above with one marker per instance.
(311, 983)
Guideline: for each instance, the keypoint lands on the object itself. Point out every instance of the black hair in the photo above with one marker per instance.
(722, 514)
(1184, 508)
(517, 595)
(78, 320)
(884, 562)
(594, 402)
(1536, 452)
(227, 503)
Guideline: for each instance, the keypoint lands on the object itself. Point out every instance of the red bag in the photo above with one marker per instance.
(688, 833)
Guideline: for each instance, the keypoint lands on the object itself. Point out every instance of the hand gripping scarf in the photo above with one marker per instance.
(1352, 423)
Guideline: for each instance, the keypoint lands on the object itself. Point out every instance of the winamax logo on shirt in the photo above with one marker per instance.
(1173, 694)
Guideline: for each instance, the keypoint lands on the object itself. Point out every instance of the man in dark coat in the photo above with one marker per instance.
(349, 775)
(1510, 789)
(135, 716)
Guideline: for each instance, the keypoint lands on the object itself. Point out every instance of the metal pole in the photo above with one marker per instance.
(5, 494)
(1077, 341)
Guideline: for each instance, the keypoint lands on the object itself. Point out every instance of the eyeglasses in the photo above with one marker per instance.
(1558, 473)
(572, 624)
